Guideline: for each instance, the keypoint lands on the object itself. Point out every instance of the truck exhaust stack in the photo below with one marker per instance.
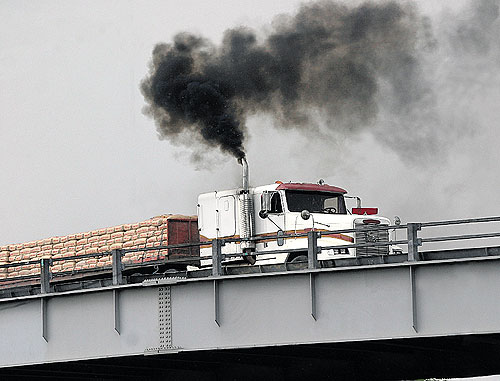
(244, 165)
(246, 211)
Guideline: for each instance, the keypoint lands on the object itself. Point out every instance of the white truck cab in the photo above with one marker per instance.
(285, 208)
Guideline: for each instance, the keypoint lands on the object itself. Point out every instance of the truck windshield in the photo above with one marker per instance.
(315, 202)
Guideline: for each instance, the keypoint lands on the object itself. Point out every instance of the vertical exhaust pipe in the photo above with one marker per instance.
(244, 165)
(246, 211)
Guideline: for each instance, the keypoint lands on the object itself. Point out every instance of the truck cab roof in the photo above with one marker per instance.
(282, 186)
(302, 186)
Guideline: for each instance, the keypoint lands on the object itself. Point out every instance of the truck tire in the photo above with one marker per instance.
(299, 258)
(250, 259)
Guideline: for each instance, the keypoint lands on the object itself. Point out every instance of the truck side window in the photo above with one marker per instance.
(332, 204)
(276, 204)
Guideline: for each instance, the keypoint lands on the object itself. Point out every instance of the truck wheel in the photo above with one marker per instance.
(299, 258)
(250, 259)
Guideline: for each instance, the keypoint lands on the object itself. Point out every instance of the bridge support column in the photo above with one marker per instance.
(413, 298)
(116, 311)
(312, 288)
(216, 302)
(43, 313)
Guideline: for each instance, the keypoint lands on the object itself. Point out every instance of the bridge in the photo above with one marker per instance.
(412, 315)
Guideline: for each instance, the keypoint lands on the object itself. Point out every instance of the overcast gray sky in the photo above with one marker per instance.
(78, 154)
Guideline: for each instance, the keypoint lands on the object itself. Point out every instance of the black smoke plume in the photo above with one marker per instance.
(327, 60)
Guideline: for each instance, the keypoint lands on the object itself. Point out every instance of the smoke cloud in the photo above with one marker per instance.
(331, 71)
(325, 63)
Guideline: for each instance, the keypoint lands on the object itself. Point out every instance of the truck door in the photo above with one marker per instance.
(226, 216)
(276, 216)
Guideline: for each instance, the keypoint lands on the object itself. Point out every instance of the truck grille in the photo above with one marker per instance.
(371, 236)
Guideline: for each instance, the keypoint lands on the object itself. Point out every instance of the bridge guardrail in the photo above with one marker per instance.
(114, 260)
(116, 263)
(412, 241)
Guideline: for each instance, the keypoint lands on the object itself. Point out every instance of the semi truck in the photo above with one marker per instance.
(259, 225)
(282, 211)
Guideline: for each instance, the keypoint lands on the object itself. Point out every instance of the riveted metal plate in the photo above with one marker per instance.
(165, 317)
(164, 322)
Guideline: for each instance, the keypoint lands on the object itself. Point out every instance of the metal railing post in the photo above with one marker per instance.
(413, 241)
(116, 256)
(217, 257)
(45, 275)
(312, 249)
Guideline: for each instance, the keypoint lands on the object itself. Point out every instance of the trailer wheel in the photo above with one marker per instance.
(298, 258)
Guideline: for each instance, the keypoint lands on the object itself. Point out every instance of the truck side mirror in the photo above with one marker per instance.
(265, 204)
(305, 214)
